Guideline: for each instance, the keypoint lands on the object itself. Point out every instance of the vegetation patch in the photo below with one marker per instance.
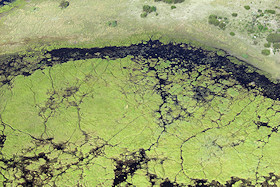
(144, 14)
(267, 45)
(173, 7)
(234, 14)
(266, 52)
(273, 38)
(247, 7)
(232, 33)
(147, 9)
(270, 11)
(276, 45)
(218, 21)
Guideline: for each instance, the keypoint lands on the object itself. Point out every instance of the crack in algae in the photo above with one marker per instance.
(180, 92)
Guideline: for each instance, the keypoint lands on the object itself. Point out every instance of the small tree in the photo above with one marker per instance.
(64, 4)
(247, 7)
(143, 15)
(232, 33)
(234, 14)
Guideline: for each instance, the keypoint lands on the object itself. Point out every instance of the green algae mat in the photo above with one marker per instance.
(137, 121)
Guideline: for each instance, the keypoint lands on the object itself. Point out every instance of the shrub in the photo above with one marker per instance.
(149, 9)
(64, 4)
(143, 15)
(146, 8)
(244, 55)
(276, 46)
(173, 7)
(213, 16)
(213, 20)
(247, 7)
(273, 38)
(232, 33)
(270, 11)
(266, 52)
(234, 14)
(112, 23)
(222, 26)
(267, 45)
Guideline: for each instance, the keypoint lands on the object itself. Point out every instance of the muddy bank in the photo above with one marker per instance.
(245, 74)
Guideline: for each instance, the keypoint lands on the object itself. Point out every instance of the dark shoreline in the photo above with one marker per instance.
(12, 66)
(4, 2)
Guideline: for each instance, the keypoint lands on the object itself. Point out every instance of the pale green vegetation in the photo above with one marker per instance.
(100, 115)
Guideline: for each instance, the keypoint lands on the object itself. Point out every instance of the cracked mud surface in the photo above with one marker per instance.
(144, 115)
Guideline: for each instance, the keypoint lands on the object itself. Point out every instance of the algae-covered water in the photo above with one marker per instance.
(144, 115)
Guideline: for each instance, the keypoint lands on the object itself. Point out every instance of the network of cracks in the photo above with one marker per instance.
(181, 57)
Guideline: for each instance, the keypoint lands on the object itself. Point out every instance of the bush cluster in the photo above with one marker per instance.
(276, 45)
(112, 23)
(148, 9)
(270, 11)
(214, 20)
(273, 38)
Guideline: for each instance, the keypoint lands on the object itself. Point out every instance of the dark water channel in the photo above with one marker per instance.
(246, 75)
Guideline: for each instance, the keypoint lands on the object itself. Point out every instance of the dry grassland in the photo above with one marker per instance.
(85, 22)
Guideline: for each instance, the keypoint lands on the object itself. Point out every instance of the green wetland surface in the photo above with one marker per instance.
(150, 114)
